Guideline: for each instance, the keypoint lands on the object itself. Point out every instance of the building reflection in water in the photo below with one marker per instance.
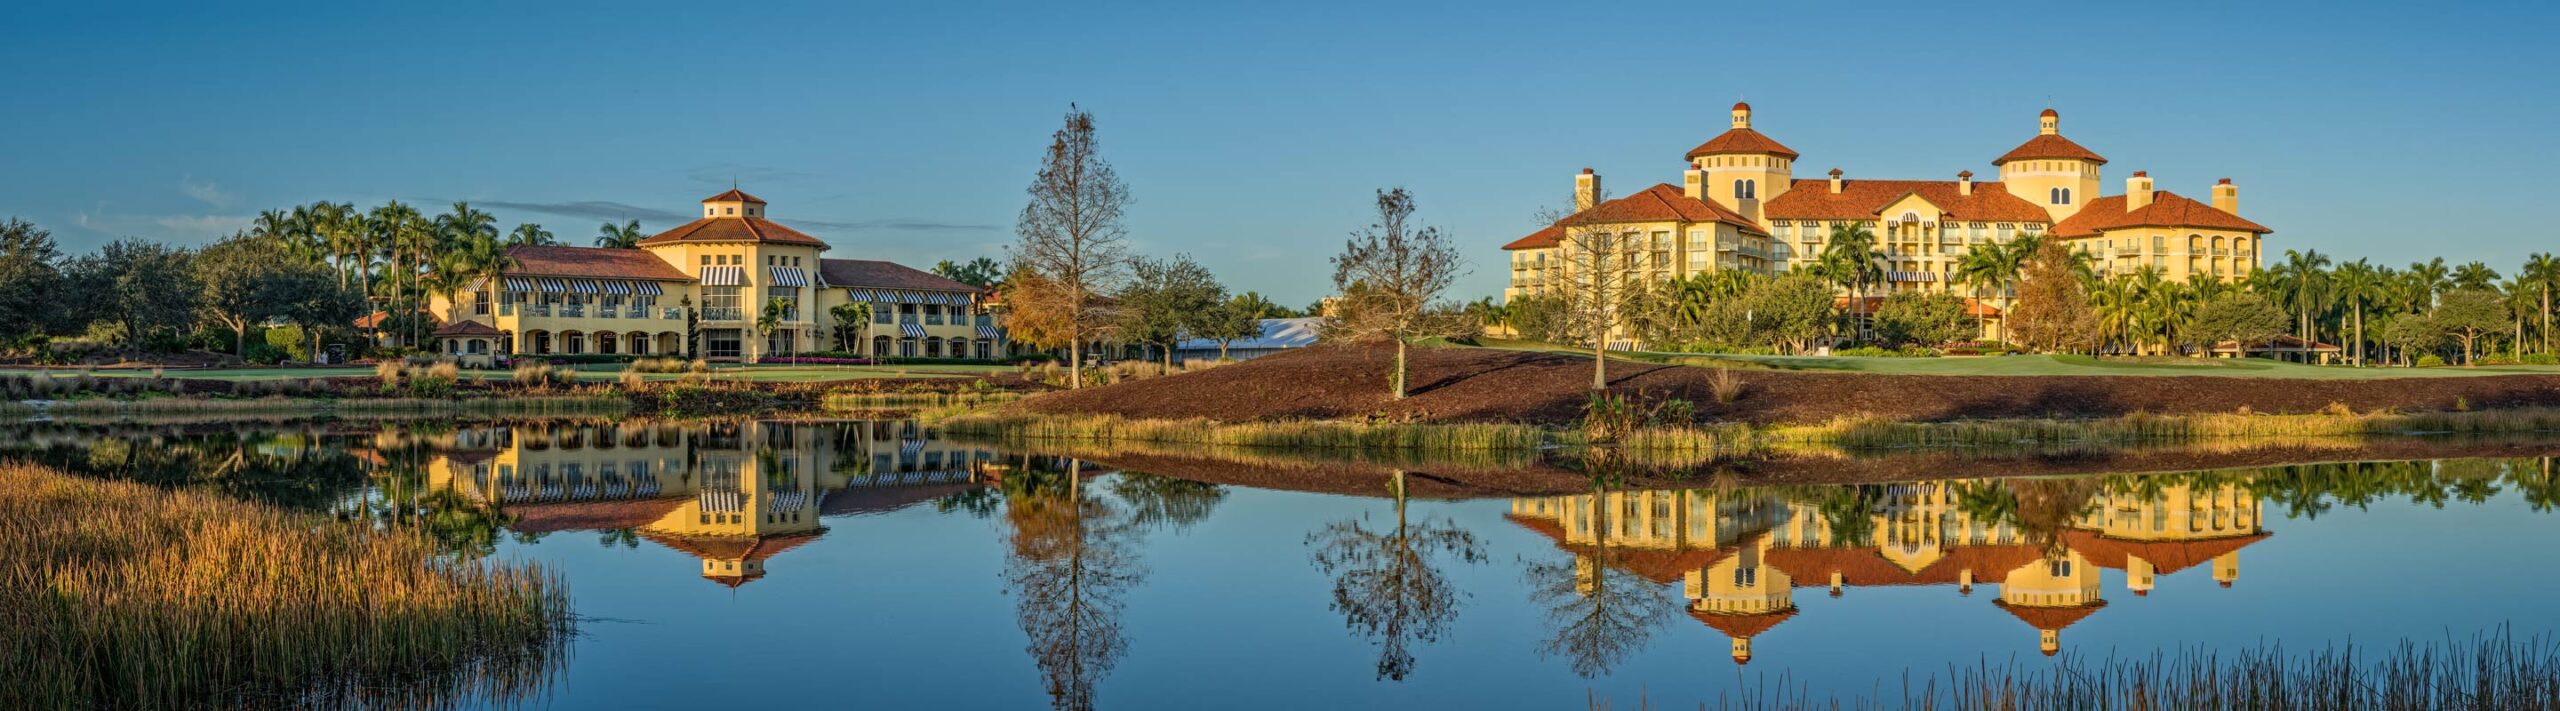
(1741, 555)
(734, 494)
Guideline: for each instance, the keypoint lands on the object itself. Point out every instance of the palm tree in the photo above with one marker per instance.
(530, 235)
(853, 316)
(1851, 260)
(2355, 283)
(1979, 269)
(476, 260)
(771, 319)
(623, 236)
(2118, 303)
(2427, 280)
(2542, 271)
(2307, 272)
(2475, 276)
(462, 225)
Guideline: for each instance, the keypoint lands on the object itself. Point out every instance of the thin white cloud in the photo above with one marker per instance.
(207, 192)
(179, 228)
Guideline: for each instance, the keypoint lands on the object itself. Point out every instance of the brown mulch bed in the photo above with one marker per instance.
(1547, 478)
(1483, 385)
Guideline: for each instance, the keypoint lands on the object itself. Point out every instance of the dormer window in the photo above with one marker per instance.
(728, 211)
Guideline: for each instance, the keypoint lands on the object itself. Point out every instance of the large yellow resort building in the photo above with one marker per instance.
(1740, 206)
(701, 289)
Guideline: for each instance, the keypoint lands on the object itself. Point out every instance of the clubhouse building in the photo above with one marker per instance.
(1740, 206)
(708, 284)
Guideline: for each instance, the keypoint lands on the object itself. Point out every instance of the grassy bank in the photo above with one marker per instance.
(126, 596)
(1708, 441)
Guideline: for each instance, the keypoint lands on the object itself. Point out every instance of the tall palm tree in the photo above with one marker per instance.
(531, 235)
(2542, 271)
(2117, 302)
(1852, 260)
(2308, 272)
(2428, 280)
(2356, 283)
(623, 236)
(1980, 269)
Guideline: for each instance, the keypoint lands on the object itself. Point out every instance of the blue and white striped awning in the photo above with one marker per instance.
(1910, 276)
(552, 285)
(724, 276)
(908, 449)
(911, 330)
(520, 284)
(647, 288)
(902, 296)
(585, 286)
(616, 288)
(788, 276)
(991, 333)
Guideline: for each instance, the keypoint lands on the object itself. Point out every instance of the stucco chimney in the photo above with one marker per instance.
(1835, 181)
(2137, 191)
(1693, 183)
(1964, 183)
(1586, 190)
(2226, 197)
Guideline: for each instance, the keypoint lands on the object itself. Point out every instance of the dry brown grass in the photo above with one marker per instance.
(120, 595)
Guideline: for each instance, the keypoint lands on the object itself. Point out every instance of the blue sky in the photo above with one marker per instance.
(1251, 136)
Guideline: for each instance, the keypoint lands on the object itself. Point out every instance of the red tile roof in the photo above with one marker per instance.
(1812, 199)
(874, 274)
(1541, 239)
(590, 515)
(2052, 618)
(1660, 565)
(1742, 626)
(2049, 145)
(734, 229)
(2166, 557)
(1865, 567)
(1742, 140)
(467, 328)
(2167, 209)
(592, 263)
(1663, 202)
(734, 195)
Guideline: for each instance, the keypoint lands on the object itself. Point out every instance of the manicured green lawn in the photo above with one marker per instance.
(760, 373)
(2041, 365)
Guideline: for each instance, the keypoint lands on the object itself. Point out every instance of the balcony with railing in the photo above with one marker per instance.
(723, 313)
(573, 310)
(672, 313)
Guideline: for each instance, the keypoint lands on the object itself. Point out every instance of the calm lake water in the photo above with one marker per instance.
(875, 564)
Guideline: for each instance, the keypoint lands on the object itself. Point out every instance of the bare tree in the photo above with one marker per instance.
(1600, 612)
(1072, 239)
(1391, 275)
(1594, 278)
(1387, 584)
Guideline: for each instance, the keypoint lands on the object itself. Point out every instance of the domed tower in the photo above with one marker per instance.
(2050, 170)
(1740, 167)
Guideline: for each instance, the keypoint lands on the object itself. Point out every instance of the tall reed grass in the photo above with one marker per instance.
(121, 595)
(2492, 671)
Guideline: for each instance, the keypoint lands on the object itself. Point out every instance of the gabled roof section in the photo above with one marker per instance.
(1541, 239)
(591, 263)
(1742, 141)
(734, 229)
(1812, 199)
(1742, 626)
(2166, 557)
(2052, 618)
(1663, 202)
(874, 274)
(2047, 146)
(734, 195)
(2167, 209)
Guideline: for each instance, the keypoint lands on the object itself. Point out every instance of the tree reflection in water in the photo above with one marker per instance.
(1600, 611)
(1385, 582)
(1071, 563)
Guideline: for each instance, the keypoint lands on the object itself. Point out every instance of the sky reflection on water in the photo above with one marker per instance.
(874, 563)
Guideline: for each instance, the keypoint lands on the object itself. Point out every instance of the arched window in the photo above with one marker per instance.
(1752, 187)
(2053, 195)
(1737, 190)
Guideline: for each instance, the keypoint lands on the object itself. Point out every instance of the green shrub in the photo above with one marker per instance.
(289, 339)
(265, 354)
(2540, 359)
(2430, 361)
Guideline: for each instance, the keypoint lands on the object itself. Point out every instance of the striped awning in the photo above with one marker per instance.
(788, 276)
(520, 284)
(901, 296)
(552, 285)
(724, 276)
(616, 288)
(991, 333)
(908, 449)
(1910, 276)
(911, 330)
(647, 288)
(585, 286)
